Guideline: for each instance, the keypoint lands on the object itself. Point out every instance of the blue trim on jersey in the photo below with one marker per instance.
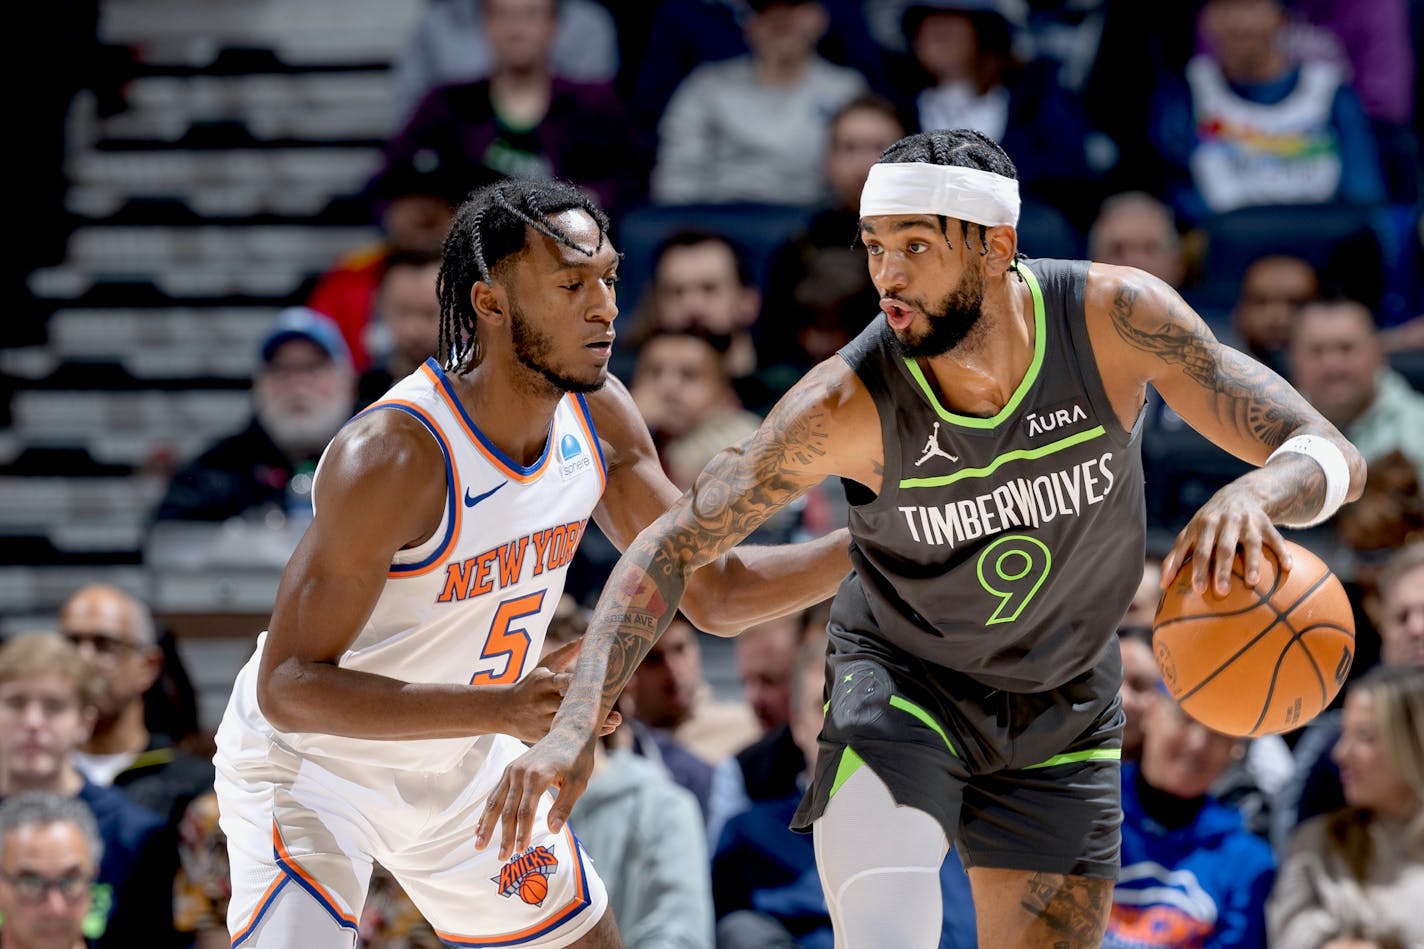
(322, 901)
(490, 446)
(452, 498)
(261, 911)
(593, 431)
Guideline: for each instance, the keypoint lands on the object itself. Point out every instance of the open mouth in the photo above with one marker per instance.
(602, 347)
(897, 314)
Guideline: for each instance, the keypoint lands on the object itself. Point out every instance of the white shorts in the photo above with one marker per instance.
(303, 832)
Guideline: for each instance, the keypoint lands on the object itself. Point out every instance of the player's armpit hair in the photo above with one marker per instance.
(491, 226)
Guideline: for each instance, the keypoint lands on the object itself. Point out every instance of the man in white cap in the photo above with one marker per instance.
(986, 429)
(304, 390)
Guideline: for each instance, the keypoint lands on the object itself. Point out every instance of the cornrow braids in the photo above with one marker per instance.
(491, 226)
(960, 148)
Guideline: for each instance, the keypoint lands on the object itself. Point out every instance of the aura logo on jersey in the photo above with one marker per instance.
(573, 460)
(1054, 419)
(527, 875)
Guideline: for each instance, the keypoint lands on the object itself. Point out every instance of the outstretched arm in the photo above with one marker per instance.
(741, 587)
(1238, 403)
(740, 488)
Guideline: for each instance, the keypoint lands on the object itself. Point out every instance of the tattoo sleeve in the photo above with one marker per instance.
(740, 488)
(1247, 396)
(1248, 402)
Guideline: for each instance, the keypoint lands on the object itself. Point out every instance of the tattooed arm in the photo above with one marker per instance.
(741, 487)
(742, 587)
(1143, 333)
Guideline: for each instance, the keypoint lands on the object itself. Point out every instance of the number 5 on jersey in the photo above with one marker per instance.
(508, 640)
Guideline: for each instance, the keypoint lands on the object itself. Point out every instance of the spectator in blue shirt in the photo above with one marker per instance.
(1249, 125)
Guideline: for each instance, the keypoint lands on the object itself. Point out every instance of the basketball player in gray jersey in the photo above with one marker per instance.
(987, 429)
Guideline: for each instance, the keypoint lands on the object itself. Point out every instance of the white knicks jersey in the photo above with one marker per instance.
(471, 604)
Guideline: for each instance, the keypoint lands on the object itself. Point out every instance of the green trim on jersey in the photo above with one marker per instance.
(1039, 346)
(849, 764)
(905, 705)
(1073, 757)
(1021, 454)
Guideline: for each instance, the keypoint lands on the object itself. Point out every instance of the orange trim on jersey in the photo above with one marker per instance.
(289, 866)
(586, 423)
(262, 903)
(482, 444)
(452, 477)
(562, 914)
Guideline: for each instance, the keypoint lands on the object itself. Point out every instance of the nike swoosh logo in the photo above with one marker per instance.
(472, 499)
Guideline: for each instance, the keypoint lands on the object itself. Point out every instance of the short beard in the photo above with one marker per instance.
(305, 435)
(959, 313)
(532, 348)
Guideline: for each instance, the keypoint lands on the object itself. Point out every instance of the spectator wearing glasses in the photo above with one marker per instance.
(48, 694)
(116, 633)
(49, 856)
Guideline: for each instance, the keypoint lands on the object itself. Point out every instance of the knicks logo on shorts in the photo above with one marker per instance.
(528, 875)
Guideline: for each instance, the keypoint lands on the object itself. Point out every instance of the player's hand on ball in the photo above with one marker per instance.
(562, 760)
(1232, 519)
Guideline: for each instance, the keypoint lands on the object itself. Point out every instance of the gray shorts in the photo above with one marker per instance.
(1024, 781)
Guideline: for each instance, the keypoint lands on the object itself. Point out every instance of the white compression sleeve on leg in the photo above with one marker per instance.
(879, 866)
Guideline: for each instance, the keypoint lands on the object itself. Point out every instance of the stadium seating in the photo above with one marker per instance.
(214, 199)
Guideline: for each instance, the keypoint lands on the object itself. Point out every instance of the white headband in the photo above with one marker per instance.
(967, 194)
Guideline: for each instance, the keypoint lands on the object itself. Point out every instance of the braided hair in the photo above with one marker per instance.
(489, 228)
(960, 148)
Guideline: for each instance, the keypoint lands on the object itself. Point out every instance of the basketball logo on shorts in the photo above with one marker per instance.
(528, 875)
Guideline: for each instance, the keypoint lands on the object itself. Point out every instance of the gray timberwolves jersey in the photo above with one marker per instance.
(1006, 548)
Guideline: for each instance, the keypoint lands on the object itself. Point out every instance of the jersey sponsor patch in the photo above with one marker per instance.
(573, 460)
(1056, 419)
(527, 875)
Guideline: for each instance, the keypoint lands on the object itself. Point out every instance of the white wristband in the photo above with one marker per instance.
(1331, 460)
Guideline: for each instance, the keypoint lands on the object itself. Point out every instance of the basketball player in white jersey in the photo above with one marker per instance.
(399, 676)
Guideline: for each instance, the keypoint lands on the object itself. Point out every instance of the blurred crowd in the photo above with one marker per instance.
(1260, 156)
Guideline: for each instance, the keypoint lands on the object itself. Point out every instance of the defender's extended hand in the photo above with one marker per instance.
(559, 760)
(533, 701)
(1232, 518)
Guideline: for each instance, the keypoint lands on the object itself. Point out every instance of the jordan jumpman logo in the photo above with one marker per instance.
(932, 449)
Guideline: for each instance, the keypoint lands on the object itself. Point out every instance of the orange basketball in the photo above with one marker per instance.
(533, 888)
(1256, 662)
